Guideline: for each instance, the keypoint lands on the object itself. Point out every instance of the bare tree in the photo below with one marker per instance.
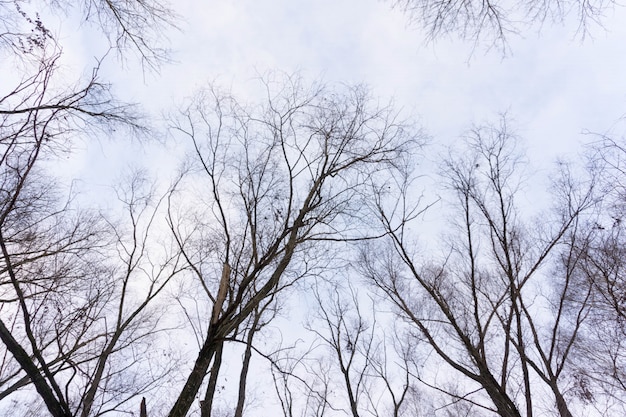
(481, 307)
(135, 26)
(274, 184)
(79, 296)
(245, 335)
(493, 21)
(601, 269)
(373, 379)
(343, 329)
(36, 230)
(132, 27)
(66, 315)
(262, 315)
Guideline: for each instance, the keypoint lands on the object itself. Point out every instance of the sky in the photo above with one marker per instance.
(552, 84)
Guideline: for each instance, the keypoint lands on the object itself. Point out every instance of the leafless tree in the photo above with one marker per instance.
(132, 27)
(245, 335)
(375, 380)
(495, 21)
(601, 269)
(78, 299)
(302, 382)
(71, 317)
(271, 187)
(343, 329)
(482, 307)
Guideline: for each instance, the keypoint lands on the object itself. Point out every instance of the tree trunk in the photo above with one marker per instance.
(143, 411)
(561, 404)
(90, 395)
(207, 405)
(55, 407)
(241, 398)
(194, 381)
(505, 406)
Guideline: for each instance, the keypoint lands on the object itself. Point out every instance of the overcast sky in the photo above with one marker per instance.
(553, 85)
